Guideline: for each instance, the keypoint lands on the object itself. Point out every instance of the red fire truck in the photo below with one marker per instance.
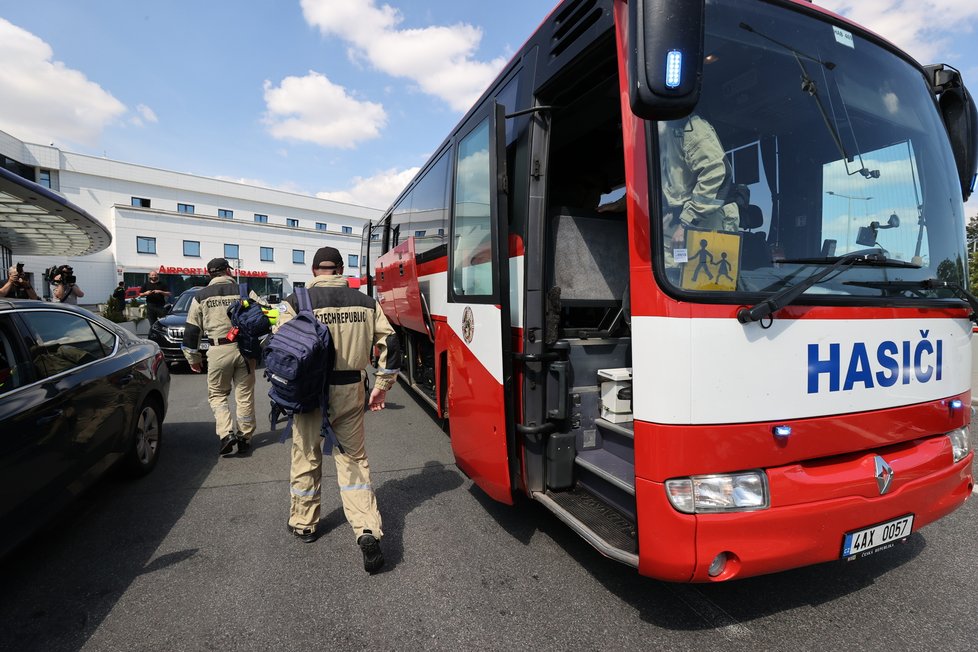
(692, 274)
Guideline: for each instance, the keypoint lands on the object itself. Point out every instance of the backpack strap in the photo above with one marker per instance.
(243, 291)
(302, 298)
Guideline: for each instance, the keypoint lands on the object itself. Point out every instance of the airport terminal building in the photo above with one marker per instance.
(173, 223)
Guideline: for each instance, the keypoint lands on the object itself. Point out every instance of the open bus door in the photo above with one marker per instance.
(478, 311)
(367, 281)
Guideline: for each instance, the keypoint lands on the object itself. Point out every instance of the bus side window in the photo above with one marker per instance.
(472, 253)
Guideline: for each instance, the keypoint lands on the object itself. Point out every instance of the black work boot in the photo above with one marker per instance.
(244, 445)
(227, 443)
(373, 558)
(305, 536)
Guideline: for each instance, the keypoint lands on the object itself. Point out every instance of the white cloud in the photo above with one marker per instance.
(924, 28)
(314, 109)
(44, 100)
(439, 59)
(147, 113)
(143, 115)
(377, 191)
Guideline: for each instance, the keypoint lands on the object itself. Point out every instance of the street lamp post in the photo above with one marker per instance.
(848, 199)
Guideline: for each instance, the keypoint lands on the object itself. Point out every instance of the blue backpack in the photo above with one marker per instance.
(298, 361)
(249, 324)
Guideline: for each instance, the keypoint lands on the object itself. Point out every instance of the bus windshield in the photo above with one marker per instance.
(809, 143)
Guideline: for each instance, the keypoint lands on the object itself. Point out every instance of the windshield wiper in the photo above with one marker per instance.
(809, 86)
(786, 296)
(925, 284)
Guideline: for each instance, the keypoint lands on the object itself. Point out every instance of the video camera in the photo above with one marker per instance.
(66, 273)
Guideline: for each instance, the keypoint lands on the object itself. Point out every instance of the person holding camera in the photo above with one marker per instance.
(65, 288)
(17, 285)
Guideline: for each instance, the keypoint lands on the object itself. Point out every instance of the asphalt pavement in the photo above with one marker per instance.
(196, 557)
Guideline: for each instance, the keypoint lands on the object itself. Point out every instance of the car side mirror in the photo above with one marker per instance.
(168, 308)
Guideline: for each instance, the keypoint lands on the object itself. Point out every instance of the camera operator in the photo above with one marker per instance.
(65, 288)
(17, 286)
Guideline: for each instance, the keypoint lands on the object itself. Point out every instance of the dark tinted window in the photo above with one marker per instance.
(429, 207)
(61, 341)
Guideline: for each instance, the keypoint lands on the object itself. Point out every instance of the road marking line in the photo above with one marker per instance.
(711, 612)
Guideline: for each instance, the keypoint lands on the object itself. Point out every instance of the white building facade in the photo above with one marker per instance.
(173, 223)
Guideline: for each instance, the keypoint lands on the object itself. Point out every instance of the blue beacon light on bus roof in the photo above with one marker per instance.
(674, 68)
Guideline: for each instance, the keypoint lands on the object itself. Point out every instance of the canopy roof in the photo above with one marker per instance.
(36, 221)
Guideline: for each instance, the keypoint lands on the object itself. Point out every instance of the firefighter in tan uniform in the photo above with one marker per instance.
(357, 325)
(225, 364)
(696, 182)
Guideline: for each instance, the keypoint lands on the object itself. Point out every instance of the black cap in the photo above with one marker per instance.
(325, 256)
(217, 265)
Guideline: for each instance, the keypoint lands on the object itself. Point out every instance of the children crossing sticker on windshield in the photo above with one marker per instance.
(714, 261)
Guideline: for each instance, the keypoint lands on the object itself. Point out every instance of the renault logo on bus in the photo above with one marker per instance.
(884, 475)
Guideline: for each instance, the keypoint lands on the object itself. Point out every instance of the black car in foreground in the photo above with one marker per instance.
(167, 332)
(79, 395)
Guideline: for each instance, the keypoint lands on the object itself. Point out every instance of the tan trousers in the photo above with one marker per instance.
(346, 404)
(226, 365)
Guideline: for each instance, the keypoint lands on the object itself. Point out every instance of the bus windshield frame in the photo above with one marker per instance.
(810, 141)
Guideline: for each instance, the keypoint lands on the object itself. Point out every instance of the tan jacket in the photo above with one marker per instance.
(356, 324)
(208, 315)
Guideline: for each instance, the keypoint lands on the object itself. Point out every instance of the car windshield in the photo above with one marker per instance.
(809, 143)
(183, 301)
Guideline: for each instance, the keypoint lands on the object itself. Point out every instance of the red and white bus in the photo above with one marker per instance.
(691, 275)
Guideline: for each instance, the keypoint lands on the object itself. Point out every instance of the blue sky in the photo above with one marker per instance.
(339, 98)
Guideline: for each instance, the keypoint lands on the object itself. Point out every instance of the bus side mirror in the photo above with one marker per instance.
(665, 57)
(961, 120)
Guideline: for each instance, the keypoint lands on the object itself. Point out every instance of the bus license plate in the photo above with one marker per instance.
(866, 541)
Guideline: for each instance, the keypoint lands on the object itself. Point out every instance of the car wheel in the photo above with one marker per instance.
(145, 440)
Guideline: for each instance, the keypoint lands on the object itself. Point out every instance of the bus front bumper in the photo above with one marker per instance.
(681, 547)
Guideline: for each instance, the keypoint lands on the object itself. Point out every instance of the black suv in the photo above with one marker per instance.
(168, 330)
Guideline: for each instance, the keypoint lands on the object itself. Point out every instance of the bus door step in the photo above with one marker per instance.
(604, 527)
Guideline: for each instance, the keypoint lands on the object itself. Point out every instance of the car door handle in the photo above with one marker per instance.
(49, 417)
(125, 380)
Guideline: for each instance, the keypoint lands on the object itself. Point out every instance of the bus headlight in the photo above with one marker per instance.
(727, 492)
(960, 443)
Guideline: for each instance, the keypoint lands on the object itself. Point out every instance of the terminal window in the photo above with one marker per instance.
(185, 208)
(347, 229)
(145, 245)
(298, 256)
(230, 251)
(267, 254)
(140, 202)
(191, 248)
(320, 226)
(225, 213)
(261, 218)
(291, 222)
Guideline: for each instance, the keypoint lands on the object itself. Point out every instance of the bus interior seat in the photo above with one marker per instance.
(590, 266)
(754, 250)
